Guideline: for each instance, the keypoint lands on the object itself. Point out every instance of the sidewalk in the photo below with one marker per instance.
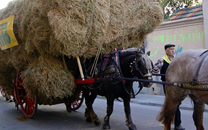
(158, 100)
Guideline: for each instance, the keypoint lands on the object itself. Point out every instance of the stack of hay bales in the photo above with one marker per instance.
(49, 29)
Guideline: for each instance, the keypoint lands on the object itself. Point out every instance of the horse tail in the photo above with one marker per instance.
(161, 115)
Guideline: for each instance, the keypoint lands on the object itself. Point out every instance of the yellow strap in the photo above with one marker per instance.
(165, 57)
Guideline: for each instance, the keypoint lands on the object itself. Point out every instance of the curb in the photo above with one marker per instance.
(160, 105)
(134, 100)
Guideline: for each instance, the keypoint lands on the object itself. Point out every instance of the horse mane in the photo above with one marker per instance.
(130, 51)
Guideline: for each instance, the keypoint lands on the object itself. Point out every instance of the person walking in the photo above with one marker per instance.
(161, 66)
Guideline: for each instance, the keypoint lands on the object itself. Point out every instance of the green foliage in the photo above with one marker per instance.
(169, 6)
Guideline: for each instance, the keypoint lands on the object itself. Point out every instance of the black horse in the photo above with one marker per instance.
(130, 63)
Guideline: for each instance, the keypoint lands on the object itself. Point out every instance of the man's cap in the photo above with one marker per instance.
(169, 45)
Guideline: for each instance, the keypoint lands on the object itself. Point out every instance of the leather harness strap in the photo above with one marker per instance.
(197, 72)
(115, 56)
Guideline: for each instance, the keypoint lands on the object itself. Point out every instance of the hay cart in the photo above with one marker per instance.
(29, 104)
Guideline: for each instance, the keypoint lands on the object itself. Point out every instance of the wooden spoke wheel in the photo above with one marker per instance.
(27, 103)
(2, 92)
(75, 104)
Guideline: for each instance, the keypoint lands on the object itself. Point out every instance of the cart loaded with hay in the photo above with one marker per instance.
(42, 40)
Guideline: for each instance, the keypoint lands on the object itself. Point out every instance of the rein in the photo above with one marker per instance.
(199, 67)
(201, 87)
(140, 88)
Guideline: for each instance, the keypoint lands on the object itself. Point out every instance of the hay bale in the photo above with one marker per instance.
(7, 72)
(53, 28)
(80, 27)
(48, 79)
(132, 22)
(7, 76)
(111, 23)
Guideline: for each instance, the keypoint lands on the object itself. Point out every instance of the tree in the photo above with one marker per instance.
(169, 6)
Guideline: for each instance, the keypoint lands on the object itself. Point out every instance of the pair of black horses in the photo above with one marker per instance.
(129, 63)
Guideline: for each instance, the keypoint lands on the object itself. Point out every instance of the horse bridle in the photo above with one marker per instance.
(135, 65)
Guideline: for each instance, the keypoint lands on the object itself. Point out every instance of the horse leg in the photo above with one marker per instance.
(127, 110)
(89, 112)
(198, 112)
(110, 104)
(93, 115)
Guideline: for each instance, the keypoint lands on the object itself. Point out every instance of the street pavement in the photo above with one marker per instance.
(144, 108)
(158, 100)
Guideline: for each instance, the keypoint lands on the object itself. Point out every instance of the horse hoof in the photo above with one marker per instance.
(106, 126)
(97, 123)
(89, 119)
(132, 127)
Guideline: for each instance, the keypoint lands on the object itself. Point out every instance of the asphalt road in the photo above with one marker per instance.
(55, 117)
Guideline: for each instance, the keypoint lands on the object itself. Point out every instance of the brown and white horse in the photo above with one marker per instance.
(188, 67)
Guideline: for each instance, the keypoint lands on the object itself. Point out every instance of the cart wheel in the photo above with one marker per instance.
(77, 103)
(27, 103)
(2, 92)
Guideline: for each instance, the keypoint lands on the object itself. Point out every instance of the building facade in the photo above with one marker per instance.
(186, 28)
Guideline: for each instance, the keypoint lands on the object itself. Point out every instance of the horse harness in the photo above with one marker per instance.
(115, 70)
